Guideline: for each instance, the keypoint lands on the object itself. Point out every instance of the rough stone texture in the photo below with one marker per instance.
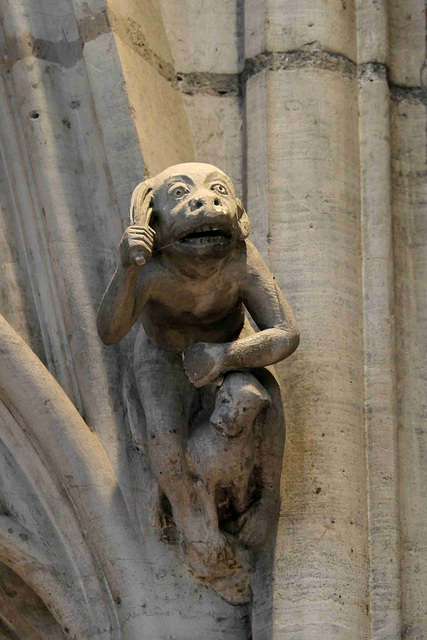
(410, 233)
(216, 453)
(57, 149)
(79, 127)
(379, 334)
(203, 36)
(149, 75)
(407, 41)
(206, 44)
(322, 532)
(372, 31)
(291, 24)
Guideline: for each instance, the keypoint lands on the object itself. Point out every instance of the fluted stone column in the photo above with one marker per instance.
(303, 145)
(379, 326)
(408, 135)
(206, 44)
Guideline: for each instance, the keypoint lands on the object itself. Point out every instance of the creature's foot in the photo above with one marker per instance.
(213, 553)
(235, 589)
(217, 567)
(239, 400)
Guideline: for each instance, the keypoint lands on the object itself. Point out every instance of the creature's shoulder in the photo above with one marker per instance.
(242, 262)
(248, 257)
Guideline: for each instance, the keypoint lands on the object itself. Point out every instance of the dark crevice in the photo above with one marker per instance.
(410, 95)
(214, 84)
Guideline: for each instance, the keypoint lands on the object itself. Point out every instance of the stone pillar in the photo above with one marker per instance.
(379, 330)
(206, 46)
(408, 135)
(303, 140)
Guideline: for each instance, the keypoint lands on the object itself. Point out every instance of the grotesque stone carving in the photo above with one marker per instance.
(215, 427)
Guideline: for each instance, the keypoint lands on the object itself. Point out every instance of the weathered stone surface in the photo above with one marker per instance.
(407, 41)
(322, 531)
(203, 37)
(289, 25)
(379, 338)
(372, 31)
(408, 127)
(215, 440)
(94, 96)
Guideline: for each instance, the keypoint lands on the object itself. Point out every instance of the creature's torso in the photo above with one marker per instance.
(182, 310)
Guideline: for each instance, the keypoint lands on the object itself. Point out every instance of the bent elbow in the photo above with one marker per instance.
(107, 337)
(294, 340)
(108, 340)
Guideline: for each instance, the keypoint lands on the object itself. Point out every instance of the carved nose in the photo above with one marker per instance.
(202, 200)
(197, 203)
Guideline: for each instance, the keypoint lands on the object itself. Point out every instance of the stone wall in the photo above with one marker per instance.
(317, 110)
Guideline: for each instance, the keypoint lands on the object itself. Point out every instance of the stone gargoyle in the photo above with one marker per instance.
(214, 419)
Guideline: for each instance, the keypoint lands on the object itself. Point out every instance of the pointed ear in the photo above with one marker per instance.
(244, 224)
(140, 204)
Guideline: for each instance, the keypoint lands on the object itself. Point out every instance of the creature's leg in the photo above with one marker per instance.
(166, 395)
(240, 493)
(259, 520)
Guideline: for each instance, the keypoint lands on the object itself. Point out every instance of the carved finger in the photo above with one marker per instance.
(140, 208)
(135, 240)
(137, 230)
(140, 243)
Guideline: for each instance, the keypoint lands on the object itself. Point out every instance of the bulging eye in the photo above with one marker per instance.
(219, 188)
(178, 192)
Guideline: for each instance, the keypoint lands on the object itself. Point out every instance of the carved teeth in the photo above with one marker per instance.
(207, 234)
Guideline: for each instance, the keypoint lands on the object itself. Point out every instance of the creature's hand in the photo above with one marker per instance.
(204, 363)
(136, 245)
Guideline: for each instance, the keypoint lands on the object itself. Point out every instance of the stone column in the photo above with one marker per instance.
(379, 333)
(303, 144)
(206, 41)
(408, 135)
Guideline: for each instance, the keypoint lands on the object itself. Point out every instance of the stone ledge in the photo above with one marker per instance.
(308, 57)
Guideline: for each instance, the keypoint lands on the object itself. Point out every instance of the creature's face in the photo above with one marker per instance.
(196, 212)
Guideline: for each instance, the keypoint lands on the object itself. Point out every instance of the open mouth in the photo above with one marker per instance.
(207, 235)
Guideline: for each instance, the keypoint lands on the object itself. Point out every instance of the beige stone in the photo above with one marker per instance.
(408, 126)
(372, 31)
(322, 532)
(407, 41)
(299, 111)
(380, 373)
(290, 25)
(203, 38)
(216, 129)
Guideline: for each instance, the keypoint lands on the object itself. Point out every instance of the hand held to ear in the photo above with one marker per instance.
(136, 245)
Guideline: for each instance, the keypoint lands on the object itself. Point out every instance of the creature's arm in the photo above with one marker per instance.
(124, 300)
(277, 339)
(279, 335)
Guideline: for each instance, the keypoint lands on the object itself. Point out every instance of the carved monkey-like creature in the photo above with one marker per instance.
(215, 428)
